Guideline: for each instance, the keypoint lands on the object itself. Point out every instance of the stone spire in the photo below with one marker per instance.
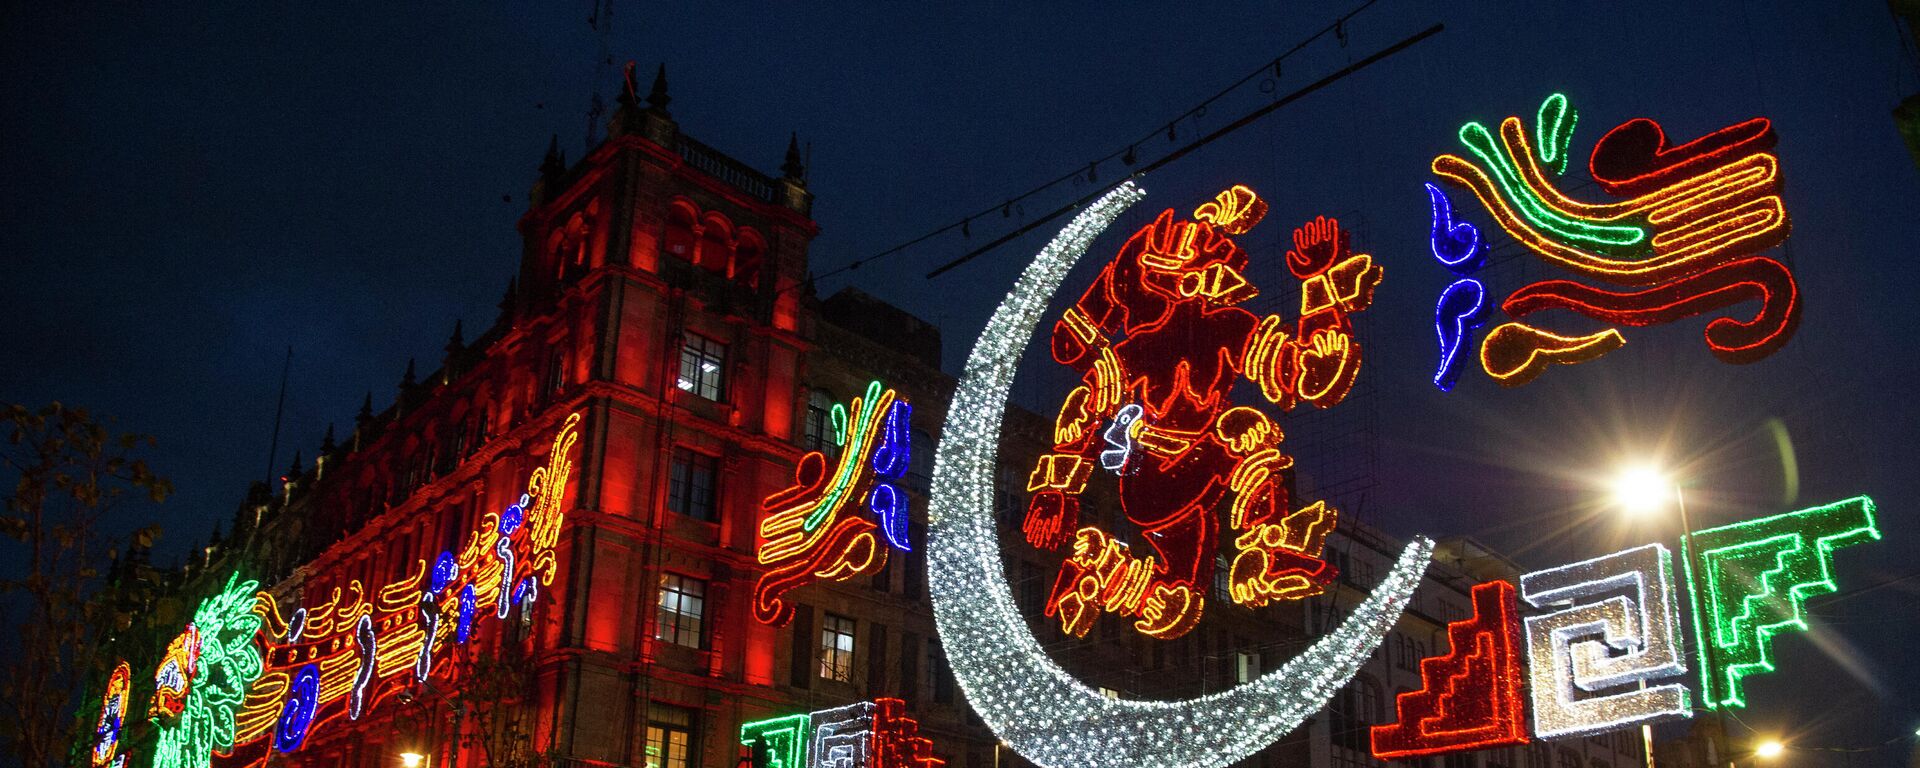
(366, 409)
(793, 184)
(408, 380)
(509, 300)
(326, 443)
(794, 168)
(555, 163)
(657, 99)
(456, 343)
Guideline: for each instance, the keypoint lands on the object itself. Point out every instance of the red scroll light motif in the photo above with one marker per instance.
(1159, 344)
(1471, 697)
(1687, 222)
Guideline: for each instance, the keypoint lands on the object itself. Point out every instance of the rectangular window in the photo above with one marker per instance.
(1246, 666)
(703, 366)
(669, 736)
(836, 648)
(800, 672)
(681, 618)
(909, 666)
(877, 660)
(691, 489)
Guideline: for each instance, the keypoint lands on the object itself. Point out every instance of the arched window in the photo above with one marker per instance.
(568, 245)
(682, 230)
(716, 244)
(818, 429)
(748, 252)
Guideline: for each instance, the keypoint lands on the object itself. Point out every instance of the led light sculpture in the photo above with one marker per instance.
(282, 676)
(1753, 582)
(1032, 704)
(113, 710)
(806, 530)
(222, 659)
(1683, 237)
(1469, 698)
(1621, 630)
(1463, 305)
(865, 734)
(1160, 342)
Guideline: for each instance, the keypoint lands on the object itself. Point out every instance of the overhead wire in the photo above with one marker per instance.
(1127, 154)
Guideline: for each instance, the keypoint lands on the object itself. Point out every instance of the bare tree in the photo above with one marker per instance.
(70, 473)
(492, 705)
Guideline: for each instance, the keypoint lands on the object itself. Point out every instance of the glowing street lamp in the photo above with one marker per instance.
(1642, 490)
(1769, 749)
(412, 759)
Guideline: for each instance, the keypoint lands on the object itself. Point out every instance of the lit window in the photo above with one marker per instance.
(683, 607)
(703, 365)
(819, 426)
(1110, 693)
(669, 736)
(1246, 666)
(690, 489)
(836, 648)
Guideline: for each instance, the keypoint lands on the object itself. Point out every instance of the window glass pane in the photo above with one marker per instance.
(669, 736)
(681, 616)
(702, 367)
(836, 648)
(691, 485)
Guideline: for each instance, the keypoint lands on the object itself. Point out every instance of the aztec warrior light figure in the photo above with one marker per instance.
(1160, 344)
(1683, 236)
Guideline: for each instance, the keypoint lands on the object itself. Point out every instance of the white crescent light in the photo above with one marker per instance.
(1031, 703)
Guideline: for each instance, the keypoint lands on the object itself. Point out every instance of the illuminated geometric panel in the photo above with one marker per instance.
(842, 736)
(1469, 698)
(897, 740)
(779, 742)
(1627, 635)
(1754, 578)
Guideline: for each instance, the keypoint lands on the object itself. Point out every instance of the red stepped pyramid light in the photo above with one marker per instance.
(897, 739)
(1470, 698)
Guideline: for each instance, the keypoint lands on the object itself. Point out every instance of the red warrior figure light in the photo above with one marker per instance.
(1160, 343)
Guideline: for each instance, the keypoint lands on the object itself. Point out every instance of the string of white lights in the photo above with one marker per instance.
(1032, 704)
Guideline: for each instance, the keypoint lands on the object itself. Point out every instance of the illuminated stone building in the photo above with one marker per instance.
(663, 295)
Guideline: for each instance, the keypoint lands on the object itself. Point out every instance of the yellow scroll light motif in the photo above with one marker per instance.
(1515, 353)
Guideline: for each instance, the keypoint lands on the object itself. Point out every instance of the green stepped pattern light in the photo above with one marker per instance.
(1753, 582)
(785, 739)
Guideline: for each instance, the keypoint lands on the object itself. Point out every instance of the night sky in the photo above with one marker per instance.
(184, 193)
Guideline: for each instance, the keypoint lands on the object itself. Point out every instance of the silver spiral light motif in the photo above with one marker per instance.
(1036, 707)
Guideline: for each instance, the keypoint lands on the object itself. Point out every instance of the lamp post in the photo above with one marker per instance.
(1642, 490)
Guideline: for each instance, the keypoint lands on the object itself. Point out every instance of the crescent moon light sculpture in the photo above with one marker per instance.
(1031, 703)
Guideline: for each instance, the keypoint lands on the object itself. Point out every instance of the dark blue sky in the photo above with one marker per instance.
(185, 192)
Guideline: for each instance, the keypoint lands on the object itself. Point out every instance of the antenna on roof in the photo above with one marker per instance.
(601, 21)
(273, 447)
